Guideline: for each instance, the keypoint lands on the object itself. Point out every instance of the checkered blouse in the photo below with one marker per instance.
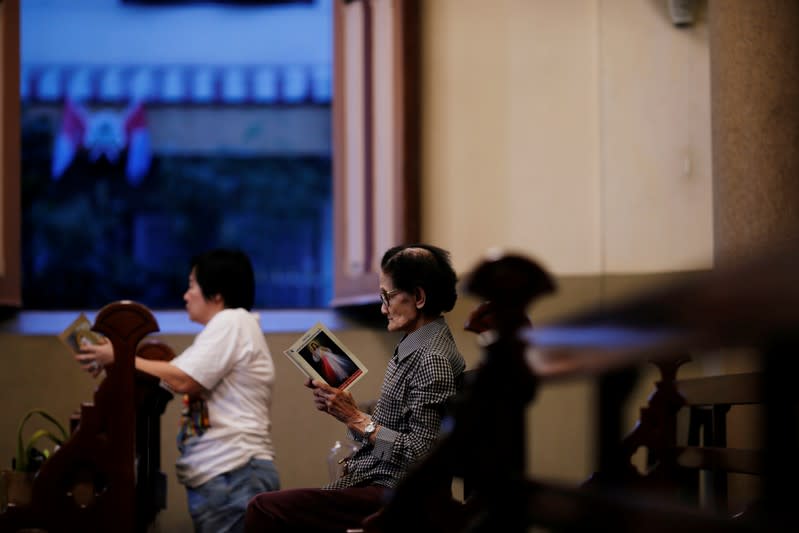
(419, 379)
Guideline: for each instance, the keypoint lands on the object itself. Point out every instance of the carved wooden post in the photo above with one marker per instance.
(89, 484)
(496, 450)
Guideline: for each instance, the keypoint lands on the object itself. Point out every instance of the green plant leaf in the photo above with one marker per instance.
(25, 452)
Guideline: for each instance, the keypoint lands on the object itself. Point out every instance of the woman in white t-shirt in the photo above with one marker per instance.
(226, 378)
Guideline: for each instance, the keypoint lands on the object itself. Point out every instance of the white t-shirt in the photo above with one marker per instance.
(231, 359)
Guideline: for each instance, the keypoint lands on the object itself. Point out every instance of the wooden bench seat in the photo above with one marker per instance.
(692, 466)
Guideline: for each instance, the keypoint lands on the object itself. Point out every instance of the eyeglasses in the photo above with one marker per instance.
(385, 297)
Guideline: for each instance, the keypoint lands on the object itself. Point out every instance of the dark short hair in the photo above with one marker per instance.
(428, 267)
(228, 273)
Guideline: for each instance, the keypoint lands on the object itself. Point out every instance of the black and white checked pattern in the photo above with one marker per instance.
(419, 379)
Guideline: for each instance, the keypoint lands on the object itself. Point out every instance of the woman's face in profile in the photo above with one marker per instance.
(197, 306)
(403, 310)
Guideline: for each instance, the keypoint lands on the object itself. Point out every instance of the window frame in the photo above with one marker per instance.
(376, 125)
(10, 280)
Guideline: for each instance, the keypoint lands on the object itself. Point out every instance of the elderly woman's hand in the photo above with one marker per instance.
(94, 357)
(336, 402)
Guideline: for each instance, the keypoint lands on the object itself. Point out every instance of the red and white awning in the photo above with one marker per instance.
(178, 84)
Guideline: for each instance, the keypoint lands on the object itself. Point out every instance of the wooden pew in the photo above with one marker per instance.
(711, 401)
(106, 476)
(683, 429)
(753, 304)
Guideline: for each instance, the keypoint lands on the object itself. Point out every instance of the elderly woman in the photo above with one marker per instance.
(417, 285)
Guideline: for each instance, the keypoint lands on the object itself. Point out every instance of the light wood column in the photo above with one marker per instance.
(754, 56)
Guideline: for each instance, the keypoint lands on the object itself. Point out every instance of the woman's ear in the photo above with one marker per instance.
(421, 297)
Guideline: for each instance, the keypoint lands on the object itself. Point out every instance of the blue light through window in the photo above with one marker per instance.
(152, 134)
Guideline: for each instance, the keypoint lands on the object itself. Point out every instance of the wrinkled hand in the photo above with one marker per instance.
(94, 357)
(335, 402)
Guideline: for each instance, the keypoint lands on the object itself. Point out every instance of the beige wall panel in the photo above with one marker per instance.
(464, 166)
(559, 430)
(655, 131)
(567, 121)
(552, 206)
(509, 130)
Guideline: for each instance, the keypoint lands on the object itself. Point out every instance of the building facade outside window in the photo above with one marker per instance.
(145, 141)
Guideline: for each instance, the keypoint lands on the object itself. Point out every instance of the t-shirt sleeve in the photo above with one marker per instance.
(212, 354)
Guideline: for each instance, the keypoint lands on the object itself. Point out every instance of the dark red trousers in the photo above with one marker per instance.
(313, 510)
